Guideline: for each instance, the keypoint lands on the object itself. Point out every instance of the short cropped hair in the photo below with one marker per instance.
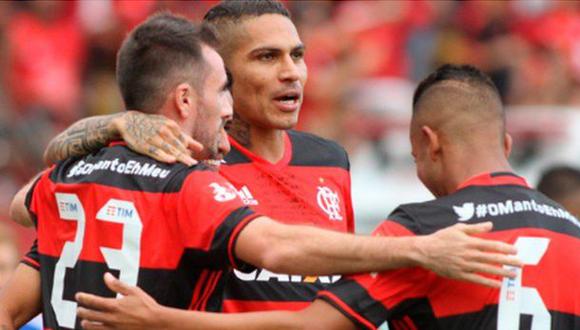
(559, 181)
(160, 53)
(236, 9)
(451, 72)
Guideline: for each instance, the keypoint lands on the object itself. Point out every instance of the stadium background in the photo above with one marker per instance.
(364, 57)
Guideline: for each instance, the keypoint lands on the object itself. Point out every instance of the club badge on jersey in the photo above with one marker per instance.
(329, 202)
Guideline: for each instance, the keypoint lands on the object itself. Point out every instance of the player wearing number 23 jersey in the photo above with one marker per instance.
(169, 229)
(544, 295)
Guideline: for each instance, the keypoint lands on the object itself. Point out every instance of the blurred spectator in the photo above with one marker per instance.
(57, 64)
(562, 184)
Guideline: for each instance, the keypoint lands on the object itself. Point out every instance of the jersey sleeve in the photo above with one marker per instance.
(31, 257)
(210, 217)
(32, 196)
(348, 199)
(372, 300)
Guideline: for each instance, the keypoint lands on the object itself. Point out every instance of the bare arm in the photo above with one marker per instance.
(306, 250)
(18, 211)
(20, 298)
(137, 310)
(152, 135)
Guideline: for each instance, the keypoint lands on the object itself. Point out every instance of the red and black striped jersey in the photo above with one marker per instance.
(545, 294)
(168, 229)
(309, 185)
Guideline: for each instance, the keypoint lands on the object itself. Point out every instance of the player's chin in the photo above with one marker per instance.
(285, 120)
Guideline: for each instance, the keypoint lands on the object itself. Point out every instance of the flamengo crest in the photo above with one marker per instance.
(329, 202)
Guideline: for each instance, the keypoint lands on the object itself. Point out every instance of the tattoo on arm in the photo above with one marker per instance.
(82, 138)
(240, 131)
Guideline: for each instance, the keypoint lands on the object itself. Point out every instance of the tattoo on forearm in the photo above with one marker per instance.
(240, 131)
(84, 137)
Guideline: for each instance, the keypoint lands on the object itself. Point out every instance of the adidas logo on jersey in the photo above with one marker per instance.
(468, 211)
(264, 275)
(247, 196)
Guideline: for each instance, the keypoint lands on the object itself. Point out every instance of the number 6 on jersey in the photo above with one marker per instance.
(515, 299)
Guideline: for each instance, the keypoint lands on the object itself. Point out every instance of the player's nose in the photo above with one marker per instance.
(289, 70)
(224, 143)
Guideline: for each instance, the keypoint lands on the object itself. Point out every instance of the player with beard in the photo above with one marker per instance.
(295, 177)
(175, 230)
(460, 147)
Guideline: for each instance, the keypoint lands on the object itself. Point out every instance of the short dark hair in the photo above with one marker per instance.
(156, 55)
(237, 9)
(559, 181)
(463, 73)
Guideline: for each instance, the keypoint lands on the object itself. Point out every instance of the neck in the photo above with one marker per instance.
(267, 143)
(461, 170)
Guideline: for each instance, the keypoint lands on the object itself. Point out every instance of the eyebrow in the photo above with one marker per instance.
(276, 49)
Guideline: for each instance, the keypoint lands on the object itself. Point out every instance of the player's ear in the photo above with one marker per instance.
(185, 98)
(507, 145)
(433, 142)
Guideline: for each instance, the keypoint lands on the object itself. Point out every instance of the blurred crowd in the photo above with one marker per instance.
(57, 61)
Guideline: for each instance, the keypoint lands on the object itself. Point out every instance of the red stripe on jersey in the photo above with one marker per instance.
(210, 289)
(30, 262)
(494, 179)
(234, 237)
(451, 297)
(257, 159)
(409, 323)
(240, 306)
(198, 289)
(347, 309)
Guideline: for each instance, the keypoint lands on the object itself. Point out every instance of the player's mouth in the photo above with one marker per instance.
(288, 101)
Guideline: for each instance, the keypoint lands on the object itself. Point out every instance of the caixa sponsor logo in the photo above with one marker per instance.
(264, 275)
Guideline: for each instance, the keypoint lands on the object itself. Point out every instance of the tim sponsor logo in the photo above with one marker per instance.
(131, 167)
(468, 211)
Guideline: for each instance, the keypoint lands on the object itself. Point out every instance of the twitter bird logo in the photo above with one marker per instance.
(464, 212)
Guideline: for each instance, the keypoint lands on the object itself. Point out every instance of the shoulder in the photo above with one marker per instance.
(120, 167)
(311, 150)
(430, 216)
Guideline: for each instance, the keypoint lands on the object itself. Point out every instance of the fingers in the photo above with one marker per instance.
(160, 155)
(491, 245)
(478, 228)
(479, 279)
(193, 145)
(88, 325)
(115, 285)
(497, 258)
(93, 315)
(95, 302)
(488, 269)
(175, 143)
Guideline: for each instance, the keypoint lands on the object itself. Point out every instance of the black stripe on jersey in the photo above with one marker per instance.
(267, 291)
(311, 150)
(428, 217)
(33, 254)
(145, 177)
(358, 298)
(28, 199)
(173, 288)
(217, 257)
(236, 157)
(486, 319)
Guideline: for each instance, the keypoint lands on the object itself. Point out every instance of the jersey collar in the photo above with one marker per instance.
(495, 179)
(285, 160)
